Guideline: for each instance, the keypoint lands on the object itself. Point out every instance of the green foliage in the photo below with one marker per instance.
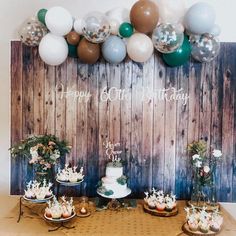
(198, 147)
(42, 151)
(23, 147)
(122, 180)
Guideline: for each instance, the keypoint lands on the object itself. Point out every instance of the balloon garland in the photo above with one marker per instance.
(165, 25)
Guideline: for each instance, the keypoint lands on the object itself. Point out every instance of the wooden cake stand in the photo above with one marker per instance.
(186, 230)
(160, 213)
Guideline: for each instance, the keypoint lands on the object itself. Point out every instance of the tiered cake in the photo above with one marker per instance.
(114, 184)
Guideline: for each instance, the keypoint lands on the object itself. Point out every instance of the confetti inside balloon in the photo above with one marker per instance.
(205, 48)
(32, 31)
(96, 27)
(167, 38)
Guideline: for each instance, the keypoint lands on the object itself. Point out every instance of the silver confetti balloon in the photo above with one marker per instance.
(32, 31)
(96, 27)
(167, 38)
(205, 48)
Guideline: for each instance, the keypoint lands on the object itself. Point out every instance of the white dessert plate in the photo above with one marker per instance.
(59, 220)
(35, 200)
(116, 196)
(65, 183)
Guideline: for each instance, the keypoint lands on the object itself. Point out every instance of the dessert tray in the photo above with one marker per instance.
(163, 213)
(35, 200)
(187, 230)
(60, 220)
(68, 183)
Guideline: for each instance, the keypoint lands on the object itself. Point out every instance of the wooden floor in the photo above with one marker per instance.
(105, 223)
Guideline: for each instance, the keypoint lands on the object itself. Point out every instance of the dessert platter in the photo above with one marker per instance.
(60, 212)
(159, 204)
(69, 176)
(114, 184)
(37, 192)
(201, 222)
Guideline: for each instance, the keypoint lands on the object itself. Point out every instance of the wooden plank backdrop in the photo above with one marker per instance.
(153, 133)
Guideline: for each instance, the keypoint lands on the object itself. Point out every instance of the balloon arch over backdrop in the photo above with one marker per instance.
(166, 25)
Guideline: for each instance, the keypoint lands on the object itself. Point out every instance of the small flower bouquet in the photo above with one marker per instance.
(204, 167)
(41, 151)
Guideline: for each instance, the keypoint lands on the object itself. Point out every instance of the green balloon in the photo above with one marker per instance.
(126, 30)
(180, 56)
(41, 15)
(72, 51)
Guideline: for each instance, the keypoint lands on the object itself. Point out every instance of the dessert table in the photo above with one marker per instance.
(133, 221)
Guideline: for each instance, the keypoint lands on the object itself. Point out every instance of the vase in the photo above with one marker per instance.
(204, 192)
(41, 175)
(213, 195)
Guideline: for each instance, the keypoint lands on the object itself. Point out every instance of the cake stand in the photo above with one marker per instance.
(31, 200)
(67, 184)
(114, 204)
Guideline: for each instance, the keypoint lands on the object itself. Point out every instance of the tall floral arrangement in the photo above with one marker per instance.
(42, 151)
(204, 167)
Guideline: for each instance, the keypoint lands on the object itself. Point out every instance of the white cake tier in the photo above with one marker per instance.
(110, 183)
(115, 172)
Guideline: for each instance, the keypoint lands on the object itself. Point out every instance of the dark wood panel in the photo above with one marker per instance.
(16, 112)
(153, 132)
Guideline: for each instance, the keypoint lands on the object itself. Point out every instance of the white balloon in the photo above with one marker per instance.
(59, 21)
(171, 11)
(119, 14)
(78, 26)
(114, 24)
(216, 30)
(140, 47)
(199, 18)
(53, 49)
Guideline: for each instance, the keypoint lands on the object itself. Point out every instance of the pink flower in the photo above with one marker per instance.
(206, 169)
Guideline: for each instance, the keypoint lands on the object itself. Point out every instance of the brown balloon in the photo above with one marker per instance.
(144, 16)
(73, 38)
(88, 52)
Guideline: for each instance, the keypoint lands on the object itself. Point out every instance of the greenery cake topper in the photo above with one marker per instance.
(113, 152)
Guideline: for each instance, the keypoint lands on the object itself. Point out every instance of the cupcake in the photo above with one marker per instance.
(204, 228)
(193, 226)
(160, 206)
(215, 227)
(151, 204)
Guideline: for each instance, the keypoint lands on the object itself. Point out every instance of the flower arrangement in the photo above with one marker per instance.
(202, 164)
(42, 151)
(204, 168)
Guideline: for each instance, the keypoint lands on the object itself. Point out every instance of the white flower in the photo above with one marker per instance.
(195, 156)
(206, 169)
(217, 153)
(198, 164)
